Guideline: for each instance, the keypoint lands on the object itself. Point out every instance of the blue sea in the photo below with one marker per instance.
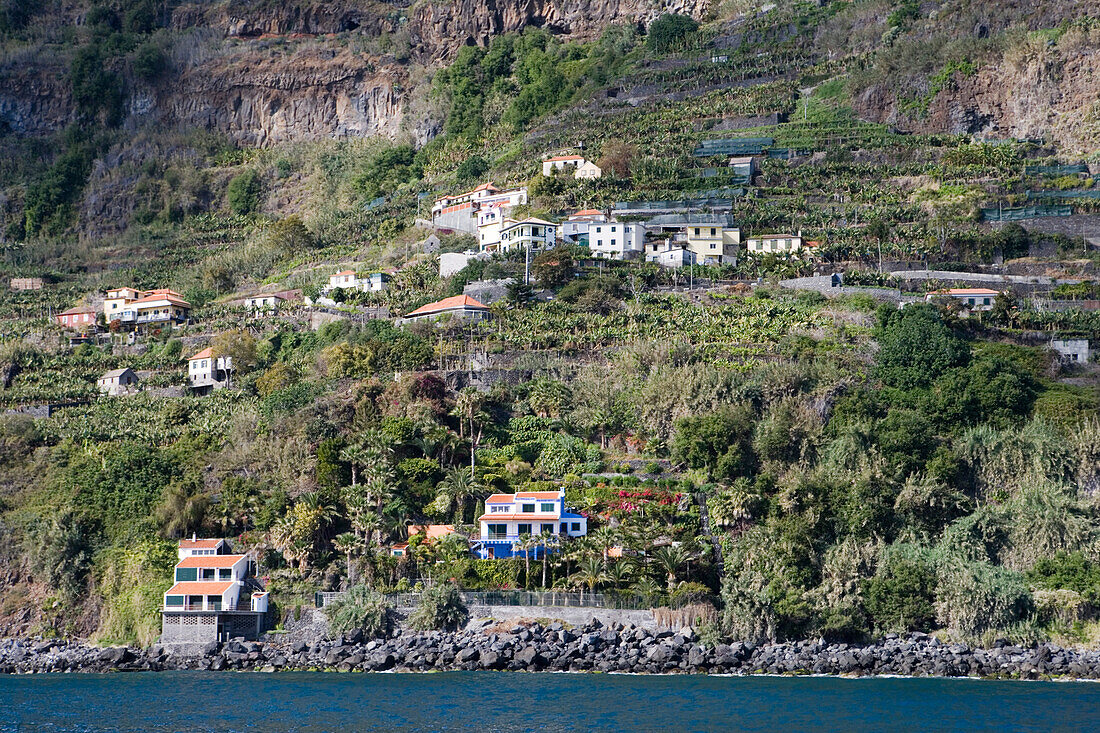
(489, 702)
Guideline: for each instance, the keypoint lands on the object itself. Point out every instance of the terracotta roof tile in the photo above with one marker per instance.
(210, 561)
(453, 303)
(193, 588)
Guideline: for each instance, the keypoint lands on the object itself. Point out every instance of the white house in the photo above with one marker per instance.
(561, 162)
(974, 299)
(262, 302)
(206, 373)
(136, 307)
(744, 165)
(575, 227)
(214, 596)
(509, 517)
(587, 171)
(534, 234)
(344, 279)
(117, 381)
(375, 282)
(616, 240)
(775, 244)
(672, 257)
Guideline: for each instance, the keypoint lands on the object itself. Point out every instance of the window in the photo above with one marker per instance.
(985, 301)
(497, 531)
(612, 230)
(547, 529)
(207, 574)
(500, 508)
(225, 573)
(564, 527)
(712, 245)
(214, 603)
(575, 527)
(546, 506)
(713, 231)
(598, 230)
(697, 231)
(527, 508)
(524, 529)
(599, 242)
(185, 574)
(173, 601)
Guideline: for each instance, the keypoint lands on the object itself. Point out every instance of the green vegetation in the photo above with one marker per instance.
(864, 471)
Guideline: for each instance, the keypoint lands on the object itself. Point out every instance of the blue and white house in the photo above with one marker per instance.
(510, 517)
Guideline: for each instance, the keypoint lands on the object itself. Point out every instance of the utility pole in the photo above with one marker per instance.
(527, 265)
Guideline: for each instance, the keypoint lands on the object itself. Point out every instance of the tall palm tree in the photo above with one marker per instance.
(525, 543)
(468, 407)
(348, 543)
(454, 492)
(669, 559)
(550, 543)
(605, 538)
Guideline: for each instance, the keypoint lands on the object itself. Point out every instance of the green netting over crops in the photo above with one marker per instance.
(1055, 170)
(1026, 212)
(1081, 194)
(734, 146)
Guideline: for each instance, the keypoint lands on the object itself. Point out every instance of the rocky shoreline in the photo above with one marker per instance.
(591, 648)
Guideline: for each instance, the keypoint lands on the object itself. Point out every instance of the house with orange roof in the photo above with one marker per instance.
(141, 307)
(81, 317)
(510, 518)
(214, 597)
(206, 372)
(457, 306)
(552, 165)
(973, 299)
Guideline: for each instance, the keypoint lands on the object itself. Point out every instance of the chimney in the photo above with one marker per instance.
(194, 537)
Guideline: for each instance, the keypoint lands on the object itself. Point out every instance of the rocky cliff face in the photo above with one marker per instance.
(266, 72)
(312, 93)
(1037, 99)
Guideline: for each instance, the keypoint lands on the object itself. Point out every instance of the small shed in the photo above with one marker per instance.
(117, 381)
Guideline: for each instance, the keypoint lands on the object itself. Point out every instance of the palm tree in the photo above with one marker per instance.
(525, 543)
(605, 538)
(367, 526)
(618, 573)
(669, 559)
(454, 491)
(646, 587)
(348, 543)
(550, 542)
(589, 573)
(468, 405)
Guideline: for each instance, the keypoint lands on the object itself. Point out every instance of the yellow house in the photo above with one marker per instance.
(713, 242)
(116, 299)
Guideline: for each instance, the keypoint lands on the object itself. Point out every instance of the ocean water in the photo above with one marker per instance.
(488, 702)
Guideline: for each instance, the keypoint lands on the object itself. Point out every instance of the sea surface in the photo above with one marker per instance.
(496, 701)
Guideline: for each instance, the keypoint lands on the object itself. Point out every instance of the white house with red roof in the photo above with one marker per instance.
(206, 372)
(550, 166)
(214, 595)
(973, 299)
(457, 306)
(508, 518)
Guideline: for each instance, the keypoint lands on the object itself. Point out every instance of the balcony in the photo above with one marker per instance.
(219, 607)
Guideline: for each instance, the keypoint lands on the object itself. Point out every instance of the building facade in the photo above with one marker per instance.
(81, 318)
(616, 240)
(550, 166)
(973, 299)
(457, 306)
(460, 212)
(117, 381)
(206, 373)
(510, 519)
(215, 596)
(139, 307)
(532, 234)
(785, 244)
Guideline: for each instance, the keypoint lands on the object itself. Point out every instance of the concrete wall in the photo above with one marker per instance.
(570, 615)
